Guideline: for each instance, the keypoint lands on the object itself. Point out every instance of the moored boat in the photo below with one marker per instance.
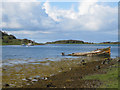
(98, 52)
(30, 44)
(23, 45)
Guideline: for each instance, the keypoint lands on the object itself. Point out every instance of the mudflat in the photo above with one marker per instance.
(56, 74)
(74, 77)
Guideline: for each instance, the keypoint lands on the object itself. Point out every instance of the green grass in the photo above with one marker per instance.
(109, 80)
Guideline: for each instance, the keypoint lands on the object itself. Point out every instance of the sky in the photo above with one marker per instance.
(50, 21)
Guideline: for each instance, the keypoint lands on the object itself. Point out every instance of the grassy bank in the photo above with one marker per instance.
(109, 79)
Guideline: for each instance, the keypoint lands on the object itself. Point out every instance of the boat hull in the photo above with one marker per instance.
(98, 52)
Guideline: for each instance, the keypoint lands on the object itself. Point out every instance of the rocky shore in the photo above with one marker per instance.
(59, 74)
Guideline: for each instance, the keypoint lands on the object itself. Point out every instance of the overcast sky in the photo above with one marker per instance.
(51, 21)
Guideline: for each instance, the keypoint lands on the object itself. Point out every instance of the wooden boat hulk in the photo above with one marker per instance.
(98, 52)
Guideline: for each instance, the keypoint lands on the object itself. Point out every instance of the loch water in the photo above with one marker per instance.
(17, 54)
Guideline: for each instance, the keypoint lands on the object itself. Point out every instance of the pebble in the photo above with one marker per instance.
(98, 67)
(24, 79)
(52, 74)
(28, 84)
(34, 80)
(70, 68)
(45, 78)
(37, 76)
(59, 71)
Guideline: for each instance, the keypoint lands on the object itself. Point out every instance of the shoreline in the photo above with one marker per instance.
(64, 43)
(61, 70)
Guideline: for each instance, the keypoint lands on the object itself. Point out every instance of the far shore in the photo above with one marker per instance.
(70, 43)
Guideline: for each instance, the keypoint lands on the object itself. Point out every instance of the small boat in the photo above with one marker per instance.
(30, 44)
(23, 45)
(98, 52)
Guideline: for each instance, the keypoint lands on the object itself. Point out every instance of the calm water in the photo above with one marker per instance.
(14, 54)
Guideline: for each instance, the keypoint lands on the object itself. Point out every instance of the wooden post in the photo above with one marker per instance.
(63, 54)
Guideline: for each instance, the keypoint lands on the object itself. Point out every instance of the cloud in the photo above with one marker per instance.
(85, 6)
(27, 32)
(91, 16)
(19, 1)
(25, 16)
(36, 18)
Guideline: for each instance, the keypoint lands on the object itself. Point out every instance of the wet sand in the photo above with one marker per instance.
(55, 74)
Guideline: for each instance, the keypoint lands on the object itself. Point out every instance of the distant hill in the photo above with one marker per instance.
(68, 42)
(109, 43)
(78, 42)
(12, 40)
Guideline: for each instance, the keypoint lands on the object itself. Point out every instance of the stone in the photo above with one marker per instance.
(98, 67)
(34, 80)
(50, 85)
(6, 85)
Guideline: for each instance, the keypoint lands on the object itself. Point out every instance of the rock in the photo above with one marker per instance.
(103, 62)
(59, 71)
(50, 85)
(52, 74)
(45, 78)
(119, 60)
(4, 69)
(34, 80)
(28, 84)
(98, 67)
(24, 79)
(6, 85)
(84, 63)
(37, 77)
(28, 79)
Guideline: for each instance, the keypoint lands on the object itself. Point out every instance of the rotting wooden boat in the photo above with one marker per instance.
(98, 52)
